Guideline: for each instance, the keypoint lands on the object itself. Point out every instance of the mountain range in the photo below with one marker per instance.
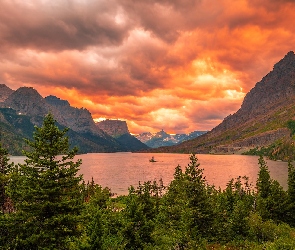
(161, 138)
(261, 120)
(22, 109)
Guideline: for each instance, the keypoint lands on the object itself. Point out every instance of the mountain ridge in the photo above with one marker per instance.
(24, 108)
(260, 121)
(118, 129)
(161, 138)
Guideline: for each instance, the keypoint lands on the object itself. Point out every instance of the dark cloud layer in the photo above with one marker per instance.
(61, 25)
(180, 65)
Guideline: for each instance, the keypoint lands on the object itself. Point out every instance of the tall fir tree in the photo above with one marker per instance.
(291, 194)
(46, 191)
(271, 198)
(5, 168)
(5, 201)
(263, 181)
(188, 207)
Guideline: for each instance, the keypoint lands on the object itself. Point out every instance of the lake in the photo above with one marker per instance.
(120, 170)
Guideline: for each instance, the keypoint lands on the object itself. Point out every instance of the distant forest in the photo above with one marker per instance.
(46, 205)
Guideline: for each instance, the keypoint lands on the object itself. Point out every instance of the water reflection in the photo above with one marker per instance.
(120, 170)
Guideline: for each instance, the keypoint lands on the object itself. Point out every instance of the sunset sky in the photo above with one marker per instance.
(177, 65)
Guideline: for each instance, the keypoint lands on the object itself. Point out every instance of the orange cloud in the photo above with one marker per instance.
(173, 65)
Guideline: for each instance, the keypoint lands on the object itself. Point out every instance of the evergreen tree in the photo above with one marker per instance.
(188, 207)
(141, 210)
(271, 198)
(263, 182)
(291, 182)
(5, 168)
(46, 192)
(5, 202)
(291, 194)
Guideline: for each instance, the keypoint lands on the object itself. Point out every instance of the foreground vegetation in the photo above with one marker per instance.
(283, 149)
(45, 205)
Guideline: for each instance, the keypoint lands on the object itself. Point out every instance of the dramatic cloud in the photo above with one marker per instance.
(177, 65)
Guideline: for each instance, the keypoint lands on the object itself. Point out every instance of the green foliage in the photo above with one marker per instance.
(263, 182)
(271, 199)
(188, 206)
(102, 224)
(5, 168)
(291, 182)
(283, 150)
(261, 230)
(188, 214)
(233, 206)
(142, 206)
(46, 192)
(291, 126)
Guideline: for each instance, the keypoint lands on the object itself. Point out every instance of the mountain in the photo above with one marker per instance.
(161, 138)
(79, 120)
(4, 92)
(24, 108)
(261, 120)
(14, 127)
(26, 100)
(119, 130)
(114, 128)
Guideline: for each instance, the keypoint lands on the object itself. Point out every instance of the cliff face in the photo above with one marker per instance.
(25, 107)
(260, 121)
(27, 101)
(276, 89)
(119, 130)
(4, 92)
(114, 128)
(80, 120)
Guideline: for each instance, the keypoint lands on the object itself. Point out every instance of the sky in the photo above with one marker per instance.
(177, 65)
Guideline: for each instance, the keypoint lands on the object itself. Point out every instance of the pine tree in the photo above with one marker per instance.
(271, 198)
(263, 182)
(46, 192)
(5, 202)
(5, 168)
(188, 207)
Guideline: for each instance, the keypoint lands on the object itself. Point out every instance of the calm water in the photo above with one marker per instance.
(120, 170)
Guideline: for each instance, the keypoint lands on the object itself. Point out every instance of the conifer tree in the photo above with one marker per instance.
(263, 182)
(271, 199)
(5, 202)
(188, 206)
(5, 167)
(46, 191)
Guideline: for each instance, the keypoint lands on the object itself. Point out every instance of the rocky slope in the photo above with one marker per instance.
(27, 101)
(260, 121)
(79, 120)
(4, 92)
(25, 107)
(114, 128)
(119, 130)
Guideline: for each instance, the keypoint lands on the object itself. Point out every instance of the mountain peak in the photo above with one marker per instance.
(288, 62)
(4, 92)
(114, 128)
(27, 100)
(53, 100)
(260, 121)
(28, 91)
